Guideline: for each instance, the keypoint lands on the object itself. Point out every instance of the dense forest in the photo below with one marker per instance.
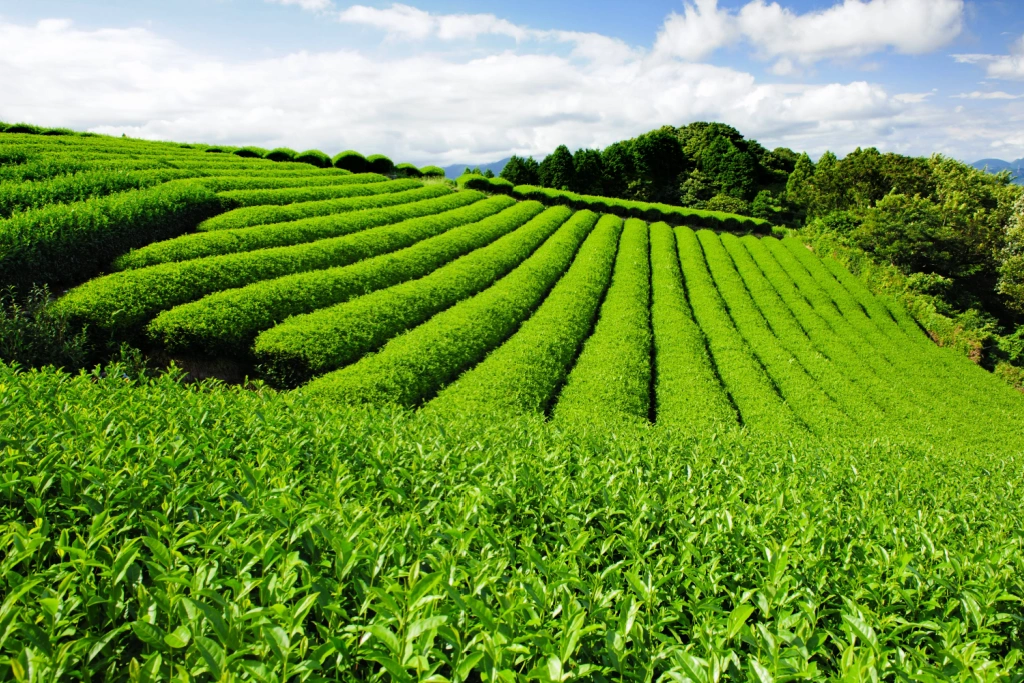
(946, 238)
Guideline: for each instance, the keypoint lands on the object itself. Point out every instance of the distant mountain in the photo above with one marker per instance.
(998, 165)
(456, 170)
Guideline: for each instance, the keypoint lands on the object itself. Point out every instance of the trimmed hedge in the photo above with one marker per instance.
(249, 152)
(362, 186)
(228, 321)
(313, 157)
(124, 302)
(408, 171)
(203, 244)
(22, 196)
(351, 160)
(308, 345)
(524, 374)
(612, 376)
(235, 183)
(380, 164)
(674, 215)
(412, 367)
(66, 243)
(281, 154)
(473, 181)
(24, 129)
(265, 215)
(432, 172)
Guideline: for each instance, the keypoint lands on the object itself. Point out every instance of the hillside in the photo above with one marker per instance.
(508, 433)
(1016, 168)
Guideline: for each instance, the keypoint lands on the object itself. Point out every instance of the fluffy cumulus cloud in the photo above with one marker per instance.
(437, 107)
(1009, 66)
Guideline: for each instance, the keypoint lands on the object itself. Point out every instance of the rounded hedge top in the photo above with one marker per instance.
(408, 170)
(281, 154)
(314, 157)
(26, 128)
(351, 160)
(380, 164)
(250, 152)
(432, 171)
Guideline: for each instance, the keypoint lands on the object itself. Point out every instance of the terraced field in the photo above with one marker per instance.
(637, 451)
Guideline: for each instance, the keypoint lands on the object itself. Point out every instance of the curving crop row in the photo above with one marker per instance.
(213, 243)
(756, 398)
(228, 321)
(266, 215)
(234, 183)
(688, 393)
(123, 302)
(23, 196)
(812, 405)
(66, 243)
(295, 195)
(305, 346)
(612, 376)
(524, 374)
(412, 367)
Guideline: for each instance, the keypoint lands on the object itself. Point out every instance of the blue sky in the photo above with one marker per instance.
(453, 81)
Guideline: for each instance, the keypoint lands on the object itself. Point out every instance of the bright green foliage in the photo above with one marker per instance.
(759, 403)
(612, 377)
(472, 181)
(64, 243)
(1011, 270)
(351, 161)
(314, 157)
(124, 302)
(412, 367)
(202, 244)
(378, 163)
(366, 537)
(364, 185)
(269, 182)
(251, 152)
(689, 395)
(229, 320)
(557, 170)
(673, 215)
(281, 154)
(305, 346)
(265, 215)
(524, 374)
(432, 171)
(21, 196)
(408, 171)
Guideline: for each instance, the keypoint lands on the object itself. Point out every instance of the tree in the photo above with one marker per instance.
(522, 171)
(800, 186)
(909, 233)
(829, 190)
(728, 204)
(588, 172)
(732, 169)
(1011, 270)
(697, 189)
(557, 169)
(765, 207)
(619, 168)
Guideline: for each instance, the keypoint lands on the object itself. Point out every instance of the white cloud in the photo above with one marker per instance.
(433, 108)
(404, 21)
(701, 29)
(852, 29)
(994, 95)
(312, 5)
(1009, 67)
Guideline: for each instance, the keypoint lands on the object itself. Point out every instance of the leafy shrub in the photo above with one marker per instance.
(412, 367)
(314, 157)
(307, 345)
(524, 374)
(724, 203)
(24, 128)
(248, 152)
(264, 215)
(351, 161)
(214, 150)
(216, 242)
(408, 171)
(281, 154)
(379, 163)
(33, 335)
(479, 182)
(361, 185)
(65, 243)
(228, 321)
(432, 172)
(56, 132)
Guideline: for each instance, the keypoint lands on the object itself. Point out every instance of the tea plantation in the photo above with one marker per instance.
(500, 434)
